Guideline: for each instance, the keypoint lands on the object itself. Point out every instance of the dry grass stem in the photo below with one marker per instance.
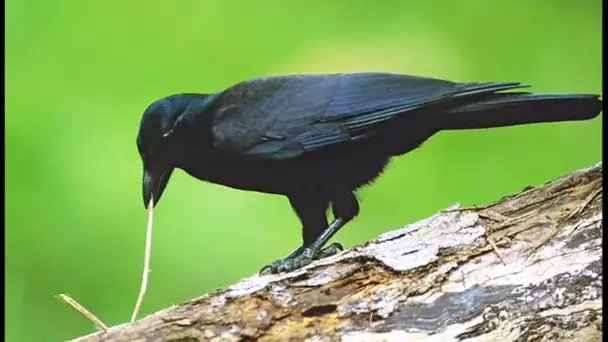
(144, 279)
(86, 313)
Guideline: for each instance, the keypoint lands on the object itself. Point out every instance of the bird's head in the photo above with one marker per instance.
(155, 144)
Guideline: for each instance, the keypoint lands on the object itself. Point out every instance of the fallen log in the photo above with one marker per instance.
(526, 267)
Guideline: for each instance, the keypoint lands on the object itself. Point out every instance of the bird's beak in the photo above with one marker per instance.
(154, 184)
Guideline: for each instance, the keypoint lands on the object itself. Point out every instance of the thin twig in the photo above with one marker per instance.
(493, 215)
(588, 200)
(557, 229)
(473, 208)
(144, 279)
(86, 313)
(495, 248)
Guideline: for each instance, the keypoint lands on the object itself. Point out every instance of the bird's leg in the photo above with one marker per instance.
(311, 211)
(315, 250)
(345, 208)
(317, 246)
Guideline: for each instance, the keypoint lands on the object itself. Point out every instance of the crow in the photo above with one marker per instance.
(317, 138)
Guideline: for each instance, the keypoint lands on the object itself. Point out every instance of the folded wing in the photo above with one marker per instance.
(283, 117)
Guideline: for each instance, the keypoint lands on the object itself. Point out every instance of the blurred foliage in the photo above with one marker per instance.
(80, 73)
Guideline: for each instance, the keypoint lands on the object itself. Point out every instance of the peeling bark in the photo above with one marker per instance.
(524, 268)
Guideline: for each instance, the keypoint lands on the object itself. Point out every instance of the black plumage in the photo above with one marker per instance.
(318, 138)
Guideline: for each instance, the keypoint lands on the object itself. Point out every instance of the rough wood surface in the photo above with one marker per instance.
(439, 279)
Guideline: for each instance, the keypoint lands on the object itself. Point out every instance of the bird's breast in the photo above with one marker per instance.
(244, 175)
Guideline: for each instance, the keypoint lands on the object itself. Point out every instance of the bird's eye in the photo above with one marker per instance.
(168, 134)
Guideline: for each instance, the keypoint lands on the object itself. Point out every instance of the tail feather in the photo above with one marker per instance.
(475, 88)
(459, 93)
(508, 109)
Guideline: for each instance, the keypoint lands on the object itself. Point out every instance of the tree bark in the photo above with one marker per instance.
(527, 267)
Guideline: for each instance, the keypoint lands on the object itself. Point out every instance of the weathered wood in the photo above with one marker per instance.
(439, 279)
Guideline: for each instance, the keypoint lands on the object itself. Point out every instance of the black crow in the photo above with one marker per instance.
(317, 138)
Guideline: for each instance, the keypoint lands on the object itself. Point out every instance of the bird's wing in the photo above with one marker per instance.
(282, 117)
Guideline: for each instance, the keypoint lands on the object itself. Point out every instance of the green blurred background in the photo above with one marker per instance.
(80, 73)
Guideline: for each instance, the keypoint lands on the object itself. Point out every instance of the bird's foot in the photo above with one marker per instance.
(330, 250)
(290, 262)
(300, 259)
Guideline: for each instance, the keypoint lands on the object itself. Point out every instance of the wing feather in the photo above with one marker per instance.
(285, 116)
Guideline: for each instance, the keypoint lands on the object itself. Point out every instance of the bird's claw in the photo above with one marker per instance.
(330, 250)
(289, 263)
(271, 268)
(294, 262)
